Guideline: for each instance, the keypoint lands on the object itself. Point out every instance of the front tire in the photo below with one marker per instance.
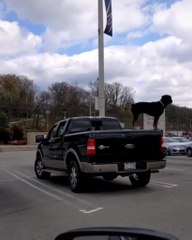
(140, 179)
(38, 167)
(168, 152)
(75, 177)
(189, 152)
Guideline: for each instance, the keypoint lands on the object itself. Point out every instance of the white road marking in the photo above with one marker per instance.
(57, 190)
(33, 186)
(175, 169)
(91, 211)
(164, 184)
(76, 201)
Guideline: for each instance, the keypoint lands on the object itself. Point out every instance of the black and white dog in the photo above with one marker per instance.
(154, 109)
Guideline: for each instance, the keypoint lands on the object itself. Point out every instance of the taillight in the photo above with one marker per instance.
(91, 147)
(162, 147)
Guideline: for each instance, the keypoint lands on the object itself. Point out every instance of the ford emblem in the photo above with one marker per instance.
(130, 146)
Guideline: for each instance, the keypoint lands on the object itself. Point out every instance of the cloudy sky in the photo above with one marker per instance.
(150, 51)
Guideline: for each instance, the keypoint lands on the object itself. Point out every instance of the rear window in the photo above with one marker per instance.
(105, 124)
(80, 125)
(111, 124)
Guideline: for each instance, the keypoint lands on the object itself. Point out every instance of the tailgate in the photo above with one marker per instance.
(123, 146)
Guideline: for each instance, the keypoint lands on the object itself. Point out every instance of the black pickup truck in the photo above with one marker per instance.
(98, 146)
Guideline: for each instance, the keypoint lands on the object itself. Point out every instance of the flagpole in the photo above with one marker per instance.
(101, 59)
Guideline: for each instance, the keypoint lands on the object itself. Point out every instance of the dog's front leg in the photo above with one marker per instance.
(155, 122)
(135, 117)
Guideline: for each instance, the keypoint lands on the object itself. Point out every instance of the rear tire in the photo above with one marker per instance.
(38, 167)
(140, 179)
(75, 177)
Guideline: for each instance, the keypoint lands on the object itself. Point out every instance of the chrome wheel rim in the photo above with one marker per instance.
(39, 167)
(135, 176)
(73, 177)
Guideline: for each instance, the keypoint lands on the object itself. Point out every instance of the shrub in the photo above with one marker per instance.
(17, 133)
(3, 119)
(4, 135)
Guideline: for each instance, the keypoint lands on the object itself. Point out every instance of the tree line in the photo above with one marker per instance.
(21, 99)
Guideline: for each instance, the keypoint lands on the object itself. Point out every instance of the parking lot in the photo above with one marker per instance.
(34, 209)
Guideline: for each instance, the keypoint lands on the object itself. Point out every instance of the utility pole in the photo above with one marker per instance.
(101, 59)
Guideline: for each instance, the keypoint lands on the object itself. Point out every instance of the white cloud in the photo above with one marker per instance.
(144, 68)
(15, 40)
(129, 15)
(154, 68)
(46, 69)
(68, 23)
(177, 20)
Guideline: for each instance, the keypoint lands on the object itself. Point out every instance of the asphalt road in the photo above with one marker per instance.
(34, 209)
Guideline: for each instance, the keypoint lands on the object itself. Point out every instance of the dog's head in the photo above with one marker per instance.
(166, 100)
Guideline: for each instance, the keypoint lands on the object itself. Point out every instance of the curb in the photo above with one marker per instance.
(14, 148)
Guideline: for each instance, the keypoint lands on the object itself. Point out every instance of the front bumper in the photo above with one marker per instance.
(119, 169)
(177, 151)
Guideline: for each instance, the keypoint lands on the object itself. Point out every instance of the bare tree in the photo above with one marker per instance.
(126, 97)
(16, 95)
(42, 104)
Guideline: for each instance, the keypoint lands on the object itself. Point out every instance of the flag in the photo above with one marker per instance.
(109, 27)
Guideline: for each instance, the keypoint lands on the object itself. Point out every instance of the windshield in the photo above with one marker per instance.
(169, 140)
(180, 139)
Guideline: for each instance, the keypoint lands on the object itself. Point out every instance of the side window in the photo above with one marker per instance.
(60, 130)
(52, 133)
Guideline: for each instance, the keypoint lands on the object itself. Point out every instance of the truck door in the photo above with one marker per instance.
(56, 148)
(46, 145)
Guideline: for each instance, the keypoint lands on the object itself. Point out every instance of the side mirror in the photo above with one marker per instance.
(115, 233)
(40, 138)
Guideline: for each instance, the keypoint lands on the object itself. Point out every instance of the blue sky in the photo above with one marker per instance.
(35, 28)
(50, 41)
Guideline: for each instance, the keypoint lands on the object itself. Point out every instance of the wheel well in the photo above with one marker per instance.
(38, 155)
(70, 157)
